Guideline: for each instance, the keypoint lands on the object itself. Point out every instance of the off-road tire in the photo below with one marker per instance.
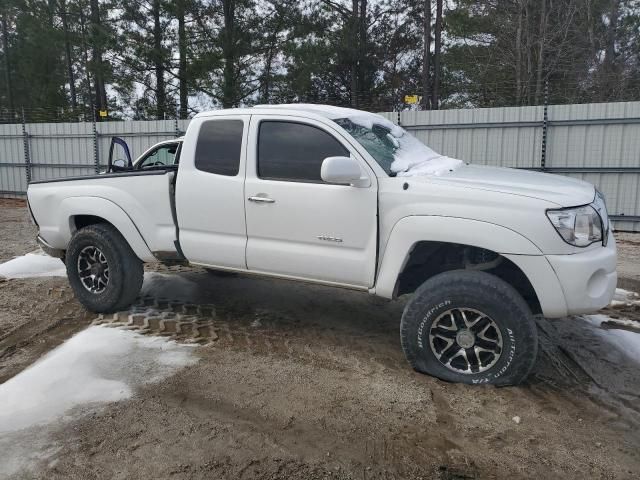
(125, 269)
(479, 291)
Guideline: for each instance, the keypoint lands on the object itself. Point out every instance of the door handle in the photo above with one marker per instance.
(261, 200)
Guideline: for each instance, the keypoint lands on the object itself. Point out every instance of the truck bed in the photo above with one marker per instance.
(143, 200)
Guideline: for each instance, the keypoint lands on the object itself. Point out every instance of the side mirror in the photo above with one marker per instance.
(119, 165)
(343, 171)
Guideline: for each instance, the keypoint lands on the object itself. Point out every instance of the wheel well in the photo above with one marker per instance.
(428, 259)
(81, 221)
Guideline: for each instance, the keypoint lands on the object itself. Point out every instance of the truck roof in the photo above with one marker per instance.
(327, 111)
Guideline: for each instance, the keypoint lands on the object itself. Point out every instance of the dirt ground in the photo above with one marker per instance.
(308, 382)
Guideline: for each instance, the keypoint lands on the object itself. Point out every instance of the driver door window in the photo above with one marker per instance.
(163, 156)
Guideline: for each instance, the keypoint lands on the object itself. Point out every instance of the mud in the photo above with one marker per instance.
(628, 260)
(304, 382)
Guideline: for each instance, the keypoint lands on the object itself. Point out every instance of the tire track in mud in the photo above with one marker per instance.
(47, 322)
(560, 374)
(259, 333)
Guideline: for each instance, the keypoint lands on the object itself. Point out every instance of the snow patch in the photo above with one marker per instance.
(367, 120)
(412, 157)
(97, 365)
(624, 297)
(35, 264)
(626, 341)
(435, 166)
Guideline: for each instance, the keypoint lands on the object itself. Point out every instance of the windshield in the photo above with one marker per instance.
(395, 149)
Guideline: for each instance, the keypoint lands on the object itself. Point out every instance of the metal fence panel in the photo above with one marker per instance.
(12, 163)
(507, 137)
(139, 135)
(60, 150)
(599, 143)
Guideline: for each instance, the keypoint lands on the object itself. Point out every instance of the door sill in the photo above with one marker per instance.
(260, 273)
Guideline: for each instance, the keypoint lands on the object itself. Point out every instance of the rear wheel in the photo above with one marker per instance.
(469, 327)
(105, 274)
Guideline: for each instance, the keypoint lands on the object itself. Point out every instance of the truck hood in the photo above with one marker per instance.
(563, 191)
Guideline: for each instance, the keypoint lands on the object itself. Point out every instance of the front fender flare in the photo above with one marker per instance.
(408, 231)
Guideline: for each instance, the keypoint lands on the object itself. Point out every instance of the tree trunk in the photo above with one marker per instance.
(518, 53)
(542, 33)
(266, 77)
(161, 94)
(182, 61)
(362, 51)
(527, 48)
(435, 101)
(426, 54)
(354, 55)
(590, 27)
(7, 62)
(100, 101)
(610, 47)
(67, 51)
(229, 93)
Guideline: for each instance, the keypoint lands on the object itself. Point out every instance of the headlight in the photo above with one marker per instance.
(579, 226)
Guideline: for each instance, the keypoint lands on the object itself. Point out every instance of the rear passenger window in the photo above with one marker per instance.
(218, 147)
(294, 151)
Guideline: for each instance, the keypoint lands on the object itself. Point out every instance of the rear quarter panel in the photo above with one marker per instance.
(139, 206)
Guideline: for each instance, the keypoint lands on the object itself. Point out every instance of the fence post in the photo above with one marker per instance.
(177, 127)
(96, 160)
(27, 153)
(545, 126)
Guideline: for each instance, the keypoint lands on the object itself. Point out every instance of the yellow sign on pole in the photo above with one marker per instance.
(411, 99)
(102, 113)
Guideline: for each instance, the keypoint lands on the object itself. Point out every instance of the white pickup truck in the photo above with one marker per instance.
(345, 198)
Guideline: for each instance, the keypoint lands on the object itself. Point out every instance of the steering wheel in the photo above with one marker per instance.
(154, 164)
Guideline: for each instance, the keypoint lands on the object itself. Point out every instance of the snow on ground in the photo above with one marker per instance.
(99, 364)
(624, 340)
(35, 264)
(625, 297)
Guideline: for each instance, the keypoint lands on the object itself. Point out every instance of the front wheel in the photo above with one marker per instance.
(105, 274)
(469, 327)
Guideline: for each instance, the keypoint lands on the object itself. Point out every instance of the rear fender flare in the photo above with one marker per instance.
(107, 210)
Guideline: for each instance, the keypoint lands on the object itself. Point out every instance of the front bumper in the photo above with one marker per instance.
(48, 249)
(565, 285)
(588, 279)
